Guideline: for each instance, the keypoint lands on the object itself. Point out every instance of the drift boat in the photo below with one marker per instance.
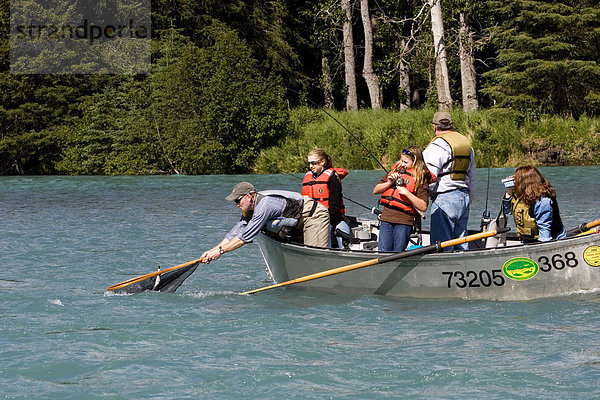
(492, 269)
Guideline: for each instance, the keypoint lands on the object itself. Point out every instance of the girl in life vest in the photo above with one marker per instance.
(323, 183)
(404, 190)
(532, 202)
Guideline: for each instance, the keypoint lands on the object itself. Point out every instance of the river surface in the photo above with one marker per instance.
(64, 240)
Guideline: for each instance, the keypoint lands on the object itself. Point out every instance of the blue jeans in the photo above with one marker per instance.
(393, 237)
(450, 217)
(342, 226)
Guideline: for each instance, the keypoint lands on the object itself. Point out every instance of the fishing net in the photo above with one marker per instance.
(167, 282)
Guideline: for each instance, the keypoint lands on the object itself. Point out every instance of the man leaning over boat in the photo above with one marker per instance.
(260, 209)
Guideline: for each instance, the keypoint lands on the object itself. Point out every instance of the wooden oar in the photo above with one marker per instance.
(150, 275)
(421, 250)
(582, 228)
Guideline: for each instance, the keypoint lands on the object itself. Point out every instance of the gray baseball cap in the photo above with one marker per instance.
(442, 118)
(240, 189)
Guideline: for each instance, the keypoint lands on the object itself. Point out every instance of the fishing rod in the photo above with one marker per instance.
(373, 210)
(333, 118)
(485, 218)
(345, 128)
(352, 134)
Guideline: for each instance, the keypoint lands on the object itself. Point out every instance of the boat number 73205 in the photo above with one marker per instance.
(475, 279)
(519, 268)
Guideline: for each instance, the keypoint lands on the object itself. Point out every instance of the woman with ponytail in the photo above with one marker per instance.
(323, 183)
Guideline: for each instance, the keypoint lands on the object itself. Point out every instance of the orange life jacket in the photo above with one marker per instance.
(318, 188)
(341, 172)
(393, 199)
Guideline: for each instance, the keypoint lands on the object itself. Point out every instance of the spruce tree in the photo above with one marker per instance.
(548, 53)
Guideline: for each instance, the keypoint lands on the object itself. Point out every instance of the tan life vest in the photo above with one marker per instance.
(461, 155)
(525, 222)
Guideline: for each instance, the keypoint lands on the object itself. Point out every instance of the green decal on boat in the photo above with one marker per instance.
(520, 268)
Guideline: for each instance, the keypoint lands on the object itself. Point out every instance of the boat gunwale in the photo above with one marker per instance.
(352, 253)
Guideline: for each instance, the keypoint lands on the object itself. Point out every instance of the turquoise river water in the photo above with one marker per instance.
(64, 240)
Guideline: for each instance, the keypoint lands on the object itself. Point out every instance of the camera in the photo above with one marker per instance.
(509, 181)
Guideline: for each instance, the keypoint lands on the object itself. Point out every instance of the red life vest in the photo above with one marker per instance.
(393, 199)
(318, 187)
(341, 172)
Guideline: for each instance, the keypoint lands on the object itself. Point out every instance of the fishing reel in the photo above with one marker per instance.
(485, 220)
(347, 240)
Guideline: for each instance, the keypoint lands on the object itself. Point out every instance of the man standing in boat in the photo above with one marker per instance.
(268, 206)
(450, 157)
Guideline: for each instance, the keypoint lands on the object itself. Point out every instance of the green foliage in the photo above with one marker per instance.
(274, 31)
(33, 108)
(31, 152)
(216, 107)
(496, 136)
(382, 133)
(202, 110)
(112, 136)
(562, 141)
(225, 72)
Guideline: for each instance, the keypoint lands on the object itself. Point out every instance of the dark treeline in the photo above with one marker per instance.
(225, 75)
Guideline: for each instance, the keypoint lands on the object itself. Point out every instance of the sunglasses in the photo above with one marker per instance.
(237, 201)
(313, 163)
(408, 153)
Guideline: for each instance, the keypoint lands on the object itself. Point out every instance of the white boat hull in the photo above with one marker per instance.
(521, 272)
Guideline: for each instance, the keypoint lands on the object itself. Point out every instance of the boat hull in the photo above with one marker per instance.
(521, 272)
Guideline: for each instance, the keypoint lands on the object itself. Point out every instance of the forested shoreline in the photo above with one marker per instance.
(497, 136)
(240, 86)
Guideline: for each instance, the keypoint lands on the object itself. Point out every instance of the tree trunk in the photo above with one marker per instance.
(441, 67)
(351, 96)
(404, 73)
(370, 77)
(467, 69)
(327, 83)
